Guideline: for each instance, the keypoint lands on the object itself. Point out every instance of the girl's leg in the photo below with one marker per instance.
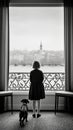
(38, 106)
(34, 106)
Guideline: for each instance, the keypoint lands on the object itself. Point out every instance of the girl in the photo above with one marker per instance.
(36, 91)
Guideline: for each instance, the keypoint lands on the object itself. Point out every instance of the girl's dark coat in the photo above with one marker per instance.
(36, 91)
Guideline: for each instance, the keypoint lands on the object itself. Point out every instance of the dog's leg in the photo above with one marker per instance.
(19, 116)
(26, 118)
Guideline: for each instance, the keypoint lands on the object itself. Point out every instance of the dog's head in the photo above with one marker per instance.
(25, 101)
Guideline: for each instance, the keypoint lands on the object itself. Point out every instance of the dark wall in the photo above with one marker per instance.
(36, 1)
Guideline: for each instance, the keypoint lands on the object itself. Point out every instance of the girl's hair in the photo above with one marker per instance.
(36, 65)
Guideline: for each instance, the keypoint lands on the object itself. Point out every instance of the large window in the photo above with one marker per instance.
(36, 33)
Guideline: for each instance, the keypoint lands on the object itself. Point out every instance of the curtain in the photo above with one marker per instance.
(4, 4)
(68, 40)
(4, 49)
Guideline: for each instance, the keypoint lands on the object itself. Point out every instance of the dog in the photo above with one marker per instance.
(23, 114)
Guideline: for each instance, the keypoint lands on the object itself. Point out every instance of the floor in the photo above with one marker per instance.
(47, 121)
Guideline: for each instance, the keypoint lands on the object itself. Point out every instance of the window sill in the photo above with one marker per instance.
(52, 93)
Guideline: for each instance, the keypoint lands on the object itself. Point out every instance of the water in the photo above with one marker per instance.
(28, 68)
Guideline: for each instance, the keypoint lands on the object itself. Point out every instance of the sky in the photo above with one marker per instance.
(30, 26)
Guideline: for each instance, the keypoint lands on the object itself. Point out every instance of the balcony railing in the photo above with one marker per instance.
(19, 81)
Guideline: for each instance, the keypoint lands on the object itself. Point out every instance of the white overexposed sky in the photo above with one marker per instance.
(29, 26)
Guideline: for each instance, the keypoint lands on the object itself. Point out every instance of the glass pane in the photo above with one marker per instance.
(37, 33)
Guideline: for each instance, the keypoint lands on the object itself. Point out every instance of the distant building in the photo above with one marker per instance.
(41, 47)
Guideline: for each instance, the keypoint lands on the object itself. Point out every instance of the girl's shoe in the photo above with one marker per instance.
(38, 115)
(34, 115)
